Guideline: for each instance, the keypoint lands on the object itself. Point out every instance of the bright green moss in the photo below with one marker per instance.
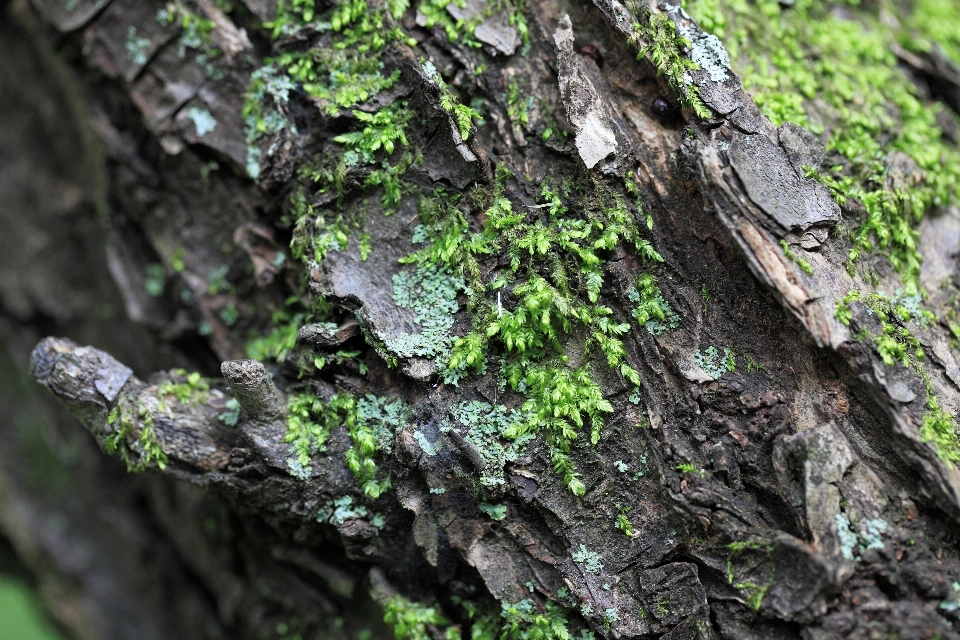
(282, 338)
(790, 255)
(371, 423)
(340, 77)
(193, 391)
(143, 451)
(546, 308)
(310, 421)
(932, 23)
(755, 593)
(518, 107)
(623, 522)
(833, 71)
(651, 310)
(411, 619)
(462, 30)
(449, 102)
(667, 51)
(522, 620)
(896, 344)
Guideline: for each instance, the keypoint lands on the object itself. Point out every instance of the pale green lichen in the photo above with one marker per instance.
(203, 120)
(495, 511)
(428, 447)
(713, 363)
(590, 560)
(854, 540)
(488, 426)
(339, 510)
(431, 292)
(136, 47)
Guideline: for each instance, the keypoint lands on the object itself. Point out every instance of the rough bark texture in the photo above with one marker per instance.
(788, 494)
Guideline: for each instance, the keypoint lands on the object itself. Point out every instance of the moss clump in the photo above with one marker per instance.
(790, 255)
(652, 311)
(410, 620)
(371, 423)
(830, 67)
(340, 77)
(522, 620)
(279, 344)
(552, 286)
(138, 454)
(462, 30)
(896, 344)
(755, 592)
(192, 391)
(932, 24)
(666, 50)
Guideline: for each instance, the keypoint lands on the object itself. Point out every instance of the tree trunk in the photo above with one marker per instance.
(552, 330)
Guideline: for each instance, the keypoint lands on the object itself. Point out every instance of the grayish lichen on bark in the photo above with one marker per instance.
(788, 495)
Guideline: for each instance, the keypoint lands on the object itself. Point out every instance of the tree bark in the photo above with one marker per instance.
(743, 461)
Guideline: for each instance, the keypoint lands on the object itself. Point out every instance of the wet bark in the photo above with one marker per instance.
(736, 482)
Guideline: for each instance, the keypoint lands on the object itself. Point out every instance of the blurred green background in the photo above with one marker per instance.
(20, 614)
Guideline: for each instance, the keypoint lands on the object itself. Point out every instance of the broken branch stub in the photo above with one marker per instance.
(253, 388)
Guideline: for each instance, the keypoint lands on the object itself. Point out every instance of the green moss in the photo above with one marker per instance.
(834, 73)
(449, 102)
(410, 620)
(666, 50)
(139, 453)
(932, 24)
(689, 467)
(231, 416)
(193, 391)
(549, 304)
(755, 592)
(462, 30)
(939, 428)
(340, 77)
(623, 522)
(521, 621)
(310, 421)
(282, 338)
(518, 107)
(652, 311)
(896, 344)
(790, 255)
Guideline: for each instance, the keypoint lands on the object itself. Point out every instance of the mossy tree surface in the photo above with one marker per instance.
(575, 320)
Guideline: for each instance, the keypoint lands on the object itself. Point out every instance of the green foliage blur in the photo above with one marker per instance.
(20, 615)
